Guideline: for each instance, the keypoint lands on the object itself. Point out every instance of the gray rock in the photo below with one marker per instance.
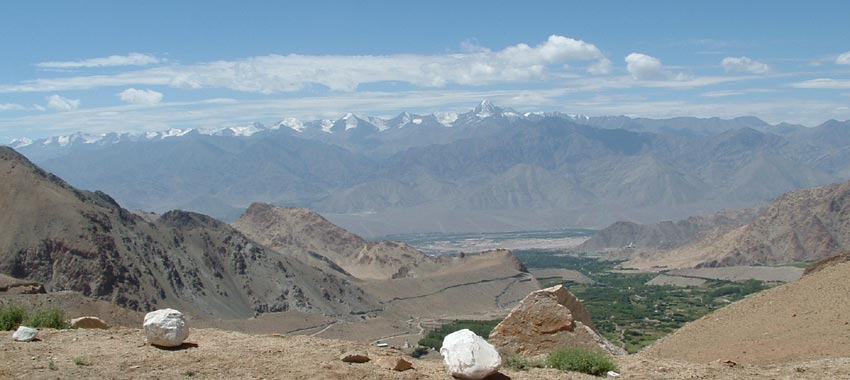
(25, 334)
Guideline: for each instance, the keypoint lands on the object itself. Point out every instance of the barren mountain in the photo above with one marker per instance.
(69, 239)
(802, 225)
(305, 233)
(665, 235)
(803, 320)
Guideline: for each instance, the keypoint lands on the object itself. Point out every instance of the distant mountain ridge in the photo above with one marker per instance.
(489, 169)
(802, 225)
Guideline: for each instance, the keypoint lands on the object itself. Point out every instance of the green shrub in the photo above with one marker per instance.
(50, 318)
(519, 363)
(419, 352)
(579, 360)
(11, 316)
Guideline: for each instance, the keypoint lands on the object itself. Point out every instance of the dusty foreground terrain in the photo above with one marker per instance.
(804, 320)
(120, 353)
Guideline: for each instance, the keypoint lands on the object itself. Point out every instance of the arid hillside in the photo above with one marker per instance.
(808, 319)
(69, 239)
(307, 235)
(803, 225)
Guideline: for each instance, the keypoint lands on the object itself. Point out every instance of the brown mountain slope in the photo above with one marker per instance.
(307, 235)
(69, 239)
(807, 319)
(665, 235)
(802, 225)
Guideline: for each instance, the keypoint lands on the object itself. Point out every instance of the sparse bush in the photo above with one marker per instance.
(419, 352)
(50, 318)
(579, 360)
(79, 362)
(519, 363)
(11, 316)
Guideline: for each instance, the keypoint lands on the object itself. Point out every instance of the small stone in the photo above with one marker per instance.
(88, 323)
(165, 328)
(354, 357)
(469, 356)
(25, 334)
(395, 363)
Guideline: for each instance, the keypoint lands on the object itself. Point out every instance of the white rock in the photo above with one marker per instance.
(469, 356)
(166, 328)
(25, 334)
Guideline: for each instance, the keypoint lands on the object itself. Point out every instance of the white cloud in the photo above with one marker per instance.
(843, 59)
(144, 97)
(276, 73)
(824, 84)
(601, 67)
(132, 59)
(643, 67)
(59, 103)
(11, 107)
(744, 65)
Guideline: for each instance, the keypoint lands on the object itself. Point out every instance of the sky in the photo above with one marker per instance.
(104, 66)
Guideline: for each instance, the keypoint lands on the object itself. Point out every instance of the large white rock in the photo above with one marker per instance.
(469, 356)
(166, 328)
(25, 334)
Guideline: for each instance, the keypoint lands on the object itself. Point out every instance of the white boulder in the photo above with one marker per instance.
(25, 334)
(165, 328)
(469, 356)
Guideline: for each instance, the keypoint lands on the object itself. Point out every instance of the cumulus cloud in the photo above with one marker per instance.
(132, 59)
(59, 103)
(601, 67)
(843, 59)
(143, 97)
(645, 67)
(744, 65)
(279, 73)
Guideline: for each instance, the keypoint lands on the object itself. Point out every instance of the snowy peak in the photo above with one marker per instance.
(486, 109)
(20, 143)
(291, 123)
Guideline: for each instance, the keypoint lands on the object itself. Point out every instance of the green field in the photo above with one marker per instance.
(626, 310)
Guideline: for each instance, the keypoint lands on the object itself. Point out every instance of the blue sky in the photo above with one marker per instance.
(99, 66)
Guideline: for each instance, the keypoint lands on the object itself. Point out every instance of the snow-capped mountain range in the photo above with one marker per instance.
(345, 124)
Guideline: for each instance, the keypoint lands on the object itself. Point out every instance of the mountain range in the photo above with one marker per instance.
(272, 259)
(489, 169)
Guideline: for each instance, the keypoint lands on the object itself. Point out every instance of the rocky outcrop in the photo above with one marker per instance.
(469, 356)
(395, 363)
(547, 319)
(88, 323)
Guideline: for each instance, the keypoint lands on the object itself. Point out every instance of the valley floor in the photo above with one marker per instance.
(120, 353)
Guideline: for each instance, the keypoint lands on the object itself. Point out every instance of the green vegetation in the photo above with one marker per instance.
(434, 339)
(50, 318)
(626, 310)
(80, 362)
(519, 363)
(51, 365)
(12, 316)
(419, 352)
(579, 360)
